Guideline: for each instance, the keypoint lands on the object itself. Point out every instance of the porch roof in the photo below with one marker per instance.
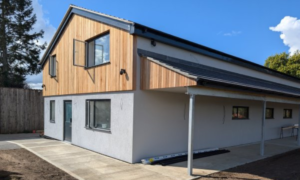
(215, 77)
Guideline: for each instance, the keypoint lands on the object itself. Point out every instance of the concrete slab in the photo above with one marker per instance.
(6, 145)
(85, 164)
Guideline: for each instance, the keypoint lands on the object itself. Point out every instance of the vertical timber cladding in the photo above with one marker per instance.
(155, 76)
(104, 78)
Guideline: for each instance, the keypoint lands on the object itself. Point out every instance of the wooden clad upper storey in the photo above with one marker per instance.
(72, 79)
(155, 76)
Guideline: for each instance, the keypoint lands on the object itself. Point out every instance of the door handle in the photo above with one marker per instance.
(71, 120)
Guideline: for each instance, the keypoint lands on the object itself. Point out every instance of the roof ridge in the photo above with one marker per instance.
(100, 13)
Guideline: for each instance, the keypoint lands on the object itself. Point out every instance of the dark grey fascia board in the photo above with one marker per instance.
(94, 16)
(144, 31)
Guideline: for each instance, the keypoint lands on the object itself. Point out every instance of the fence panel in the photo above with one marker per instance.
(21, 110)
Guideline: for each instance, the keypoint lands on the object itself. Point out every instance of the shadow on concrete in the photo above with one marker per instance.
(245, 162)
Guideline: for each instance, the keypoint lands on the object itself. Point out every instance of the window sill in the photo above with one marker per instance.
(287, 118)
(52, 121)
(240, 119)
(100, 130)
(97, 65)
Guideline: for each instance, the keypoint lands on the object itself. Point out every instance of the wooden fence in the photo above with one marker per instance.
(21, 110)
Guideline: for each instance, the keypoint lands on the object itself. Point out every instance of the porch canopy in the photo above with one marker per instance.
(171, 74)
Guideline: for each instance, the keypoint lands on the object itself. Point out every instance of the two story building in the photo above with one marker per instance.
(128, 91)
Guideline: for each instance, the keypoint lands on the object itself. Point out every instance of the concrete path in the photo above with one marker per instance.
(85, 164)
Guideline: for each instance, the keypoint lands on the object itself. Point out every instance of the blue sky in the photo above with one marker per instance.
(237, 27)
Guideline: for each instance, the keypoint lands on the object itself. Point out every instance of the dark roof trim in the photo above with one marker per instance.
(159, 36)
(227, 78)
(110, 20)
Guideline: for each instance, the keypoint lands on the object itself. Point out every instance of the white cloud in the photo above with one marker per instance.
(35, 85)
(290, 32)
(232, 33)
(49, 30)
(42, 22)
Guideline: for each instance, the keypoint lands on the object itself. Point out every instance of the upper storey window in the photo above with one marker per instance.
(52, 66)
(98, 51)
(93, 52)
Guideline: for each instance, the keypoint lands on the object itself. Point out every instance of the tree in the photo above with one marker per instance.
(19, 48)
(285, 63)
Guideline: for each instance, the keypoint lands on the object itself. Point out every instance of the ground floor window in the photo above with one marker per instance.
(52, 111)
(269, 113)
(239, 112)
(287, 113)
(98, 114)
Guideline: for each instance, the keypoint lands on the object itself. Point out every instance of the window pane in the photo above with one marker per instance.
(102, 50)
(269, 113)
(52, 110)
(287, 113)
(234, 113)
(91, 113)
(242, 113)
(52, 66)
(102, 114)
(98, 114)
(79, 54)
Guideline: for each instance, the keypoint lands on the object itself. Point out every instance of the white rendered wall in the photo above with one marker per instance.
(117, 143)
(161, 123)
(143, 43)
(54, 130)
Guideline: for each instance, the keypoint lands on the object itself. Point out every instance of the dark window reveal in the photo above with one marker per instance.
(239, 112)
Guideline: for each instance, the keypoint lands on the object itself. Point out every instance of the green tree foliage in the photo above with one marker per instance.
(285, 63)
(19, 48)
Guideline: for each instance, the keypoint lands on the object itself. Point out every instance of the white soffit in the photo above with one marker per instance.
(240, 95)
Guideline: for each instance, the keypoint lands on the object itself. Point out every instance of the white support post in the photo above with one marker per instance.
(191, 129)
(262, 142)
(298, 134)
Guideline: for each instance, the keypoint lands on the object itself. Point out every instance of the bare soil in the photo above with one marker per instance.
(20, 164)
(280, 167)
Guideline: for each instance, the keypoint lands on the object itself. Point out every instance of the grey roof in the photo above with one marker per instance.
(205, 75)
(150, 33)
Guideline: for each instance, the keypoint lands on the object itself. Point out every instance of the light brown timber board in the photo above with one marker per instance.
(77, 80)
(155, 76)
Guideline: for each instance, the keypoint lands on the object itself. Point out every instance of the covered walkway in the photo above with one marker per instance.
(85, 164)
